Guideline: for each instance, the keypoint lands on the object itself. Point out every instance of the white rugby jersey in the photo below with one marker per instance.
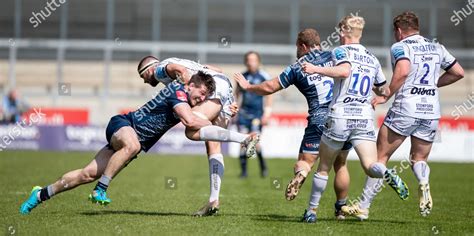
(192, 67)
(418, 96)
(352, 95)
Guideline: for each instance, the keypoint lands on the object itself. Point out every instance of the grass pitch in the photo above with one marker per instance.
(144, 203)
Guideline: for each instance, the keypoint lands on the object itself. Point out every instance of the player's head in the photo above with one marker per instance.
(351, 27)
(308, 39)
(252, 61)
(405, 24)
(146, 69)
(200, 86)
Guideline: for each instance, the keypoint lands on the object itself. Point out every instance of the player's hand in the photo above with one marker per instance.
(378, 100)
(309, 68)
(240, 79)
(234, 109)
(265, 120)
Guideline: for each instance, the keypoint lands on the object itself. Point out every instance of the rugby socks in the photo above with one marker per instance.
(317, 190)
(45, 193)
(378, 170)
(216, 173)
(263, 166)
(218, 134)
(371, 188)
(243, 163)
(422, 171)
(103, 183)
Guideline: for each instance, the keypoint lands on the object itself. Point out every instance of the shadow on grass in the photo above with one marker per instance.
(261, 217)
(294, 219)
(143, 213)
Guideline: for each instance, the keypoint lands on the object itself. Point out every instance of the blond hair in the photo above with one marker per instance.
(352, 26)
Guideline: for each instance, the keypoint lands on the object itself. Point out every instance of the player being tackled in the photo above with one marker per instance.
(137, 131)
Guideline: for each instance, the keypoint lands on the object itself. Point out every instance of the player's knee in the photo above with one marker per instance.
(190, 134)
(132, 148)
(87, 176)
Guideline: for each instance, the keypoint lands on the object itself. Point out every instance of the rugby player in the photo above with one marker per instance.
(218, 109)
(255, 110)
(415, 112)
(317, 89)
(351, 118)
(128, 135)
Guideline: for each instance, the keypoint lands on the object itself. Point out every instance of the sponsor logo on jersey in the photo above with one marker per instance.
(182, 96)
(311, 145)
(423, 91)
(352, 99)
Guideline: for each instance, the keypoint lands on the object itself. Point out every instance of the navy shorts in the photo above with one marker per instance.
(312, 139)
(115, 123)
(249, 125)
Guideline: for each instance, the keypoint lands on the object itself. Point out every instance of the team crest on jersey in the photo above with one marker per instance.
(182, 96)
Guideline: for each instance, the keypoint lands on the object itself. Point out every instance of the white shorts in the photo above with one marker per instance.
(424, 129)
(343, 130)
(224, 93)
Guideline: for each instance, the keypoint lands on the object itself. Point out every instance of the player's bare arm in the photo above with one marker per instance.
(400, 74)
(214, 68)
(455, 73)
(340, 71)
(176, 71)
(265, 88)
(188, 118)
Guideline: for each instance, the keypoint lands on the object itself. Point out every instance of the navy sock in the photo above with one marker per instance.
(44, 195)
(243, 164)
(103, 183)
(263, 165)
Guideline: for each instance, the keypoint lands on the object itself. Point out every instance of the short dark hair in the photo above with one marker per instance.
(145, 61)
(250, 53)
(308, 37)
(406, 21)
(205, 79)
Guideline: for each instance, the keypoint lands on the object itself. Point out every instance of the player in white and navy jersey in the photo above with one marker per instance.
(218, 108)
(318, 92)
(417, 63)
(351, 118)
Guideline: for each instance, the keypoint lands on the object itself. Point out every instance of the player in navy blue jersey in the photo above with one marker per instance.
(255, 110)
(317, 90)
(127, 135)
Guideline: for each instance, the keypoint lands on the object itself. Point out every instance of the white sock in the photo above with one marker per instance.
(218, 134)
(319, 185)
(378, 169)
(216, 172)
(422, 171)
(371, 188)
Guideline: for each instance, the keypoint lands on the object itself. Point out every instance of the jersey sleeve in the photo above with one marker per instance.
(399, 51)
(448, 60)
(380, 79)
(287, 77)
(160, 72)
(340, 55)
(177, 97)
